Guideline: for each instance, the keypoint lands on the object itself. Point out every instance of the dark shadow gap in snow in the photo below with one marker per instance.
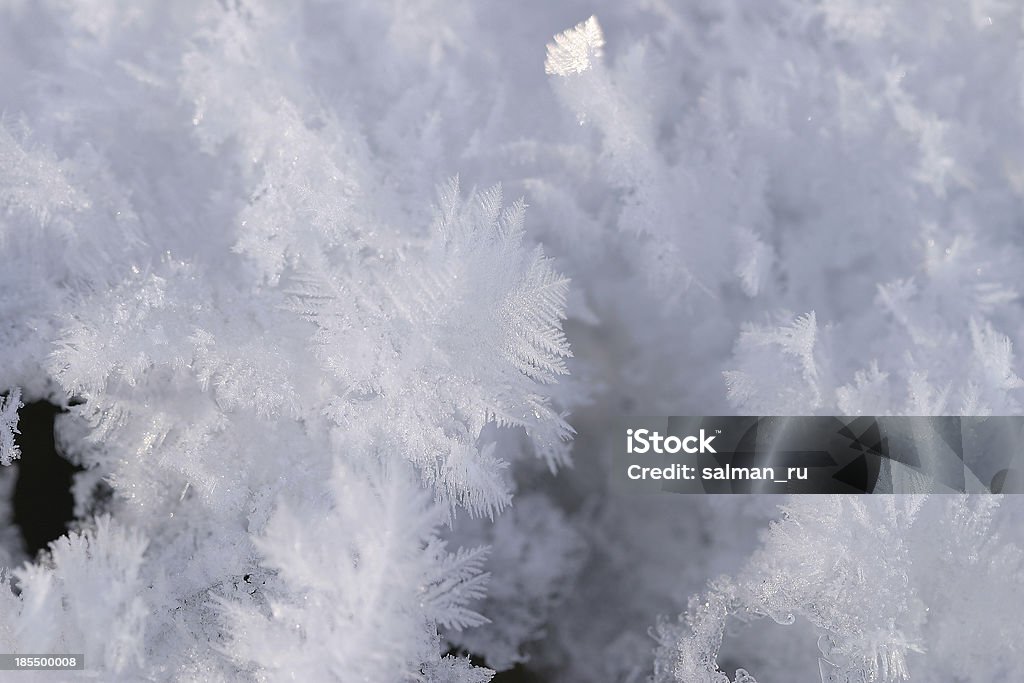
(517, 674)
(43, 504)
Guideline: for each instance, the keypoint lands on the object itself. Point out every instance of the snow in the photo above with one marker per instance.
(341, 297)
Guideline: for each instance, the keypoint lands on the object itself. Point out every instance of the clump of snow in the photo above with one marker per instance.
(341, 296)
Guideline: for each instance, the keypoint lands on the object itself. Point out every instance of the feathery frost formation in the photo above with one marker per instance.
(9, 405)
(320, 385)
(575, 50)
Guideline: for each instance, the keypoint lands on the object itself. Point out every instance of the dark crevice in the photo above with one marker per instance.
(518, 674)
(43, 504)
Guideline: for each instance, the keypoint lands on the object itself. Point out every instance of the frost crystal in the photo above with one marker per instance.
(9, 406)
(320, 391)
(867, 574)
(575, 50)
(58, 610)
(363, 603)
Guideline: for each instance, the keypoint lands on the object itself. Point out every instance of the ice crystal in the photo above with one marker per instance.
(9, 406)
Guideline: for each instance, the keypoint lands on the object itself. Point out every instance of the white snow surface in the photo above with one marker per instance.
(341, 293)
